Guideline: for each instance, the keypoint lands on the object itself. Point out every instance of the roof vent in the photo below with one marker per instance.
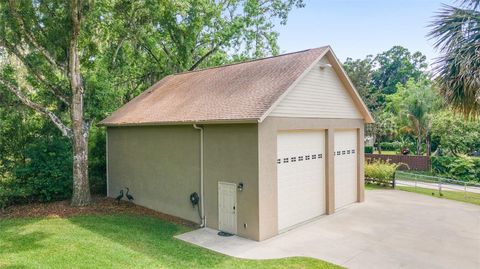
(323, 66)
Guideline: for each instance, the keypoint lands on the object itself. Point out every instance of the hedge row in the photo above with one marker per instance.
(389, 146)
(46, 174)
(382, 171)
(463, 168)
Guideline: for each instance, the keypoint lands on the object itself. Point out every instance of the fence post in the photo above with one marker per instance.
(440, 187)
(465, 191)
(394, 177)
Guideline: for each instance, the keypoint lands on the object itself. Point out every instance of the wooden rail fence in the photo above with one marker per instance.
(409, 162)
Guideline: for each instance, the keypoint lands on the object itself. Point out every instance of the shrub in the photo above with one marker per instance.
(383, 171)
(4, 198)
(45, 172)
(440, 164)
(5, 193)
(462, 168)
(44, 175)
(368, 149)
(388, 146)
(97, 163)
(11, 192)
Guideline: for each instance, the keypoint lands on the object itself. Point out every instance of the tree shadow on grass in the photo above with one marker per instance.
(14, 267)
(14, 238)
(152, 237)
(124, 241)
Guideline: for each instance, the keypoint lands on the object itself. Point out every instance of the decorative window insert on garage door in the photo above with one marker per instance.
(301, 176)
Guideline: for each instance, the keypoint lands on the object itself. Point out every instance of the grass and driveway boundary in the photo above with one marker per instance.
(108, 235)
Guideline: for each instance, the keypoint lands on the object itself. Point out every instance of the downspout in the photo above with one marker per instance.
(106, 160)
(202, 203)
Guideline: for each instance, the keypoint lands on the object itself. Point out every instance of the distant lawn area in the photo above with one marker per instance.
(392, 152)
(472, 198)
(369, 186)
(386, 152)
(115, 241)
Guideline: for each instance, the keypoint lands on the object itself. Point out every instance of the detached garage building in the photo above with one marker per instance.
(267, 144)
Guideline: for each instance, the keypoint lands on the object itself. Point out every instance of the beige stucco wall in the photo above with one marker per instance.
(267, 148)
(231, 155)
(161, 166)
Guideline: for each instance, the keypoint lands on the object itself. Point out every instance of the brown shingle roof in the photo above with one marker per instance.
(236, 92)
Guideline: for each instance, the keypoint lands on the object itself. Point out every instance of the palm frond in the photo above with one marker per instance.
(456, 31)
(470, 3)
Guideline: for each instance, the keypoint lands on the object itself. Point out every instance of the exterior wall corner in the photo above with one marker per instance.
(361, 162)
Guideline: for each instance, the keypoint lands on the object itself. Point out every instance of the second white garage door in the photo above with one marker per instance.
(301, 176)
(345, 167)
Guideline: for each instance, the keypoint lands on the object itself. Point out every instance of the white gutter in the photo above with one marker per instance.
(202, 203)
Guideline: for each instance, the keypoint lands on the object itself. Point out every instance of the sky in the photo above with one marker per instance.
(356, 28)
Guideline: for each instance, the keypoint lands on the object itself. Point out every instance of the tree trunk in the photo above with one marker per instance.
(374, 140)
(419, 143)
(428, 144)
(377, 141)
(81, 188)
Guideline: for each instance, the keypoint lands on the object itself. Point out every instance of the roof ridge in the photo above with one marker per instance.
(241, 92)
(248, 61)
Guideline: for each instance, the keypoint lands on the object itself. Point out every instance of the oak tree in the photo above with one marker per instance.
(75, 61)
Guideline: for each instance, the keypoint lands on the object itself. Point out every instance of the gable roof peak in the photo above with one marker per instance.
(238, 92)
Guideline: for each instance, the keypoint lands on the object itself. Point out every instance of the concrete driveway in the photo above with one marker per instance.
(392, 229)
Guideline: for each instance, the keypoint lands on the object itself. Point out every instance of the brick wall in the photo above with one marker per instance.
(411, 162)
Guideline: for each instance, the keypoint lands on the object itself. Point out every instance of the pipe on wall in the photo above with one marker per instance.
(106, 161)
(202, 203)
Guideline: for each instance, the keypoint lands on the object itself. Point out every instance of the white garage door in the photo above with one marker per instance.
(345, 167)
(301, 176)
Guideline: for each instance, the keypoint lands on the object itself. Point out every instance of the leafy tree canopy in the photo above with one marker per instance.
(397, 65)
(413, 104)
(454, 134)
(414, 97)
(360, 73)
(73, 62)
(377, 77)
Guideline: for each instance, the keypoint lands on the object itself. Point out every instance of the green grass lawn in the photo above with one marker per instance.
(392, 152)
(369, 186)
(472, 198)
(115, 241)
(386, 152)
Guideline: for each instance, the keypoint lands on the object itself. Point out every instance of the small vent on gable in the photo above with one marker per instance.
(320, 93)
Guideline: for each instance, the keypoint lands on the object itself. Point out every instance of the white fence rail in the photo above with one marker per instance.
(470, 189)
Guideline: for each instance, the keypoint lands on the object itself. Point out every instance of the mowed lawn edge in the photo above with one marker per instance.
(459, 196)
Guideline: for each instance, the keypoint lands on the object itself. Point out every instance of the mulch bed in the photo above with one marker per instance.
(100, 206)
